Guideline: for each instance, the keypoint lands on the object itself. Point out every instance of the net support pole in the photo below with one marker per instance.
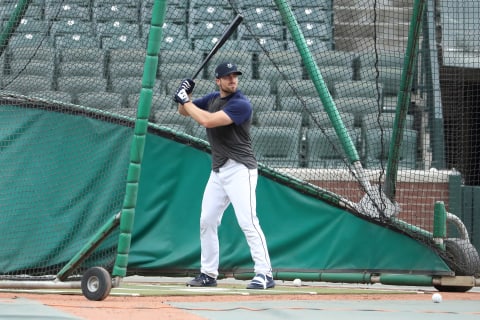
(139, 138)
(403, 99)
(374, 203)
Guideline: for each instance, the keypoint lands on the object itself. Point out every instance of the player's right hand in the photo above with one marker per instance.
(181, 96)
(188, 85)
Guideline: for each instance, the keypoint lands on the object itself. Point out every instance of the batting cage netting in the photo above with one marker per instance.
(370, 105)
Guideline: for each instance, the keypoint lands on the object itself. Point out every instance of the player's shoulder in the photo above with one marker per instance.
(240, 98)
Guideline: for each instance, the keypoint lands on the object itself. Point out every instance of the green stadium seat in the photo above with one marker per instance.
(377, 144)
(255, 87)
(170, 43)
(276, 146)
(31, 67)
(174, 14)
(81, 54)
(117, 28)
(202, 13)
(206, 29)
(358, 88)
(295, 87)
(28, 25)
(81, 68)
(279, 73)
(312, 14)
(122, 41)
(320, 119)
(159, 101)
(132, 85)
(324, 149)
(319, 30)
(76, 41)
(313, 44)
(289, 119)
(52, 95)
(71, 26)
(27, 83)
(261, 104)
(358, 106)
(180, 56)
(58, 10)
(115, 12)
(33, 53)
(261, 14)
(30, 40)
(100, 100)
(262, 30)
(169, 71)
(324, 4)
(172, 117)
(168, 29)
(256, 3)
(126, 69)
(79, 84)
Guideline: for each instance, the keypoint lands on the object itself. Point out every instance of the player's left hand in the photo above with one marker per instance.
(181, 96)
(188, 85)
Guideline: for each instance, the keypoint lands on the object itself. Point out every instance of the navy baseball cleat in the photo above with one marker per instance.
(202, 280)
(261, 281)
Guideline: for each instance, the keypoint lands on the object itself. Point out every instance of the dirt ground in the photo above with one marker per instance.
(158, 307)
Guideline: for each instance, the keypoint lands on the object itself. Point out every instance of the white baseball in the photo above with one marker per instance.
(297, 282)
(436, 297)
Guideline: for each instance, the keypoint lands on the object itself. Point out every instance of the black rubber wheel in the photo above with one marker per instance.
(463, 259)
(96, 284)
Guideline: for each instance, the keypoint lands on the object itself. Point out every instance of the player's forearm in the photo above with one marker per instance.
(201, 116)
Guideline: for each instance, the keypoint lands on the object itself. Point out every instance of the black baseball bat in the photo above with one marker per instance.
(226, 34)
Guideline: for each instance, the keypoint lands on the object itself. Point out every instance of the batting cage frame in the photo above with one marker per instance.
(428, 257)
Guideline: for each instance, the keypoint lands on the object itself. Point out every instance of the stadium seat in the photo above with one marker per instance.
(169, 71)
(276, 146)
(324, 149)
(28, 25)
(254, 87)
(289, 119)
(180, 56)
(78, 84)
(81, 68)
(261, 14)
(296, 104)
(32, 67)
(32, 53)
(256, 3)
(81, 54)
(159, 101)
(52, 95)
(100, 100)
(366, 89)
(202, 13)
(132, 85)
(262, 30)
(313, 44)
(30, 40)
(294, 87)
(358, 106)
(27, 83)
(76, 41)
(71, 26)
(117, 28)
(279, 73)
(320, 119)
(312, 14)
(168, 29)
(261, 104)
(126, 69)
(324, 4)
(377, 144)
(115, 12)
(314, 30)
(172, 117)
(122, 41)
(56, 11)
(174, 14)
(170, 43)
(206, 29)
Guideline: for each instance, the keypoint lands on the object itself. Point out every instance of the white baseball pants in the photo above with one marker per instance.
(235, 184)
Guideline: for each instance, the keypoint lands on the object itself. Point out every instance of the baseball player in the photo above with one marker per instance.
(227, 114)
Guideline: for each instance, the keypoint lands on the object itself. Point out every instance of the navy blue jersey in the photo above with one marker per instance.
(232, 141)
